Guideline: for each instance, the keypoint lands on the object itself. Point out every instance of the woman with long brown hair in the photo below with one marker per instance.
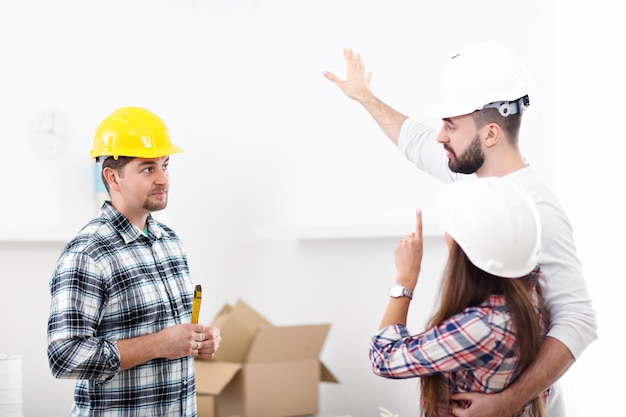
(490, 320)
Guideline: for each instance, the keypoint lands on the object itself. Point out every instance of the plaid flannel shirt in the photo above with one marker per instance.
(476, 350)
(113, 282)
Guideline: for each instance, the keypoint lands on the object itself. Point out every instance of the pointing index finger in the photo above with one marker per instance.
(418, 222)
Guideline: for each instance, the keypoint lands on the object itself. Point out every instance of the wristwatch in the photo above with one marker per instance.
(397, 291)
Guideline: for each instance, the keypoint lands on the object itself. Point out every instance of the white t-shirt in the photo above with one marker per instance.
(572, 317)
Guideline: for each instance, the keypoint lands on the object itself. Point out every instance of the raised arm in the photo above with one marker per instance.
(408, 255)
(357, 87)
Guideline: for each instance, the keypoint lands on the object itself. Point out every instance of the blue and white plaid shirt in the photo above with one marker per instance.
(113, 282)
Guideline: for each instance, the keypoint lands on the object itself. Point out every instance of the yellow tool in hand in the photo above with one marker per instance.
(197, 300)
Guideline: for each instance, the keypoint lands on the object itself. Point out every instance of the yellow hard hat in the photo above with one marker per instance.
(135, 132)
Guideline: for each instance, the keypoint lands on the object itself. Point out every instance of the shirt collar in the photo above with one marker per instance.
(127, 230)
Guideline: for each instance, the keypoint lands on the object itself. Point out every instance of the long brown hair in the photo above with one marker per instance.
(464, 285)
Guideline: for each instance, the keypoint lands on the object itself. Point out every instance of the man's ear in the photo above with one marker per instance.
(111, 177)
(492, 134)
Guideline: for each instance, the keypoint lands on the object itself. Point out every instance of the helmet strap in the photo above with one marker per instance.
(507, 108)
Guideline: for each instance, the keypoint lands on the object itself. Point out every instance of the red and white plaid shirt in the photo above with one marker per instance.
(476, 349)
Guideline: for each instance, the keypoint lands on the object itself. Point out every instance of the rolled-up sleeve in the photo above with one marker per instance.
(77, 299)
(465, 342)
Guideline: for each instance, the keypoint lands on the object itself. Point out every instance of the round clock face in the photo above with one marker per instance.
(50, 133)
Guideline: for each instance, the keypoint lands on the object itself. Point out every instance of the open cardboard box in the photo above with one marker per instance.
(261, 370)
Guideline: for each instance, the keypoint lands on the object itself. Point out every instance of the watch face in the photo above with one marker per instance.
(395, 291)
(398, 290)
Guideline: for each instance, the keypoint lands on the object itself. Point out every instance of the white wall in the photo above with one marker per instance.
(591, 146)
(274, 153)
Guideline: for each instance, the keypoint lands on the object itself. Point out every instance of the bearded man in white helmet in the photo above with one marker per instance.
(484, 91)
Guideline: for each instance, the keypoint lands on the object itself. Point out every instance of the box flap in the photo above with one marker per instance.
(287, 343)
(326, 375)
(212, 376)
(221, 316)
(238, 326)
(244, 313)
(281, 389)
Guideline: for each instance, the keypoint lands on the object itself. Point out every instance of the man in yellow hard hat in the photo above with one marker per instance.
(121, 292)
(484, 91)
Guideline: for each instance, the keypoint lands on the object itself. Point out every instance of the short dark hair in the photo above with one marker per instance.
(116, 164)
(510, 124)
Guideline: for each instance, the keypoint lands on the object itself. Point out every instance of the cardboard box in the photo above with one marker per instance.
(261, 370)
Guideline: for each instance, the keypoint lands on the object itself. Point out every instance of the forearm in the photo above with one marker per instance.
(170, 343)
(396, 313)
(389, 119)
(553, 360)
(138, 350)
(408, 257)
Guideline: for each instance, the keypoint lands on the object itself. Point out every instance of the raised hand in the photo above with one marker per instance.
(357, 85)
(408, 255)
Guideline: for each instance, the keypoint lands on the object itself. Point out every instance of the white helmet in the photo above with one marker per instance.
(483, 75)
(495, 222)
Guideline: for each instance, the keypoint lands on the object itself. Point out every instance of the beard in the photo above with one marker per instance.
(470, 161)
(156, 204)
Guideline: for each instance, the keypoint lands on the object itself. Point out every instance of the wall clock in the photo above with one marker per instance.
(50, 133)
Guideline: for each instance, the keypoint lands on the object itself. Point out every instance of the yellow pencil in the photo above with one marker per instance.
(197, 299)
